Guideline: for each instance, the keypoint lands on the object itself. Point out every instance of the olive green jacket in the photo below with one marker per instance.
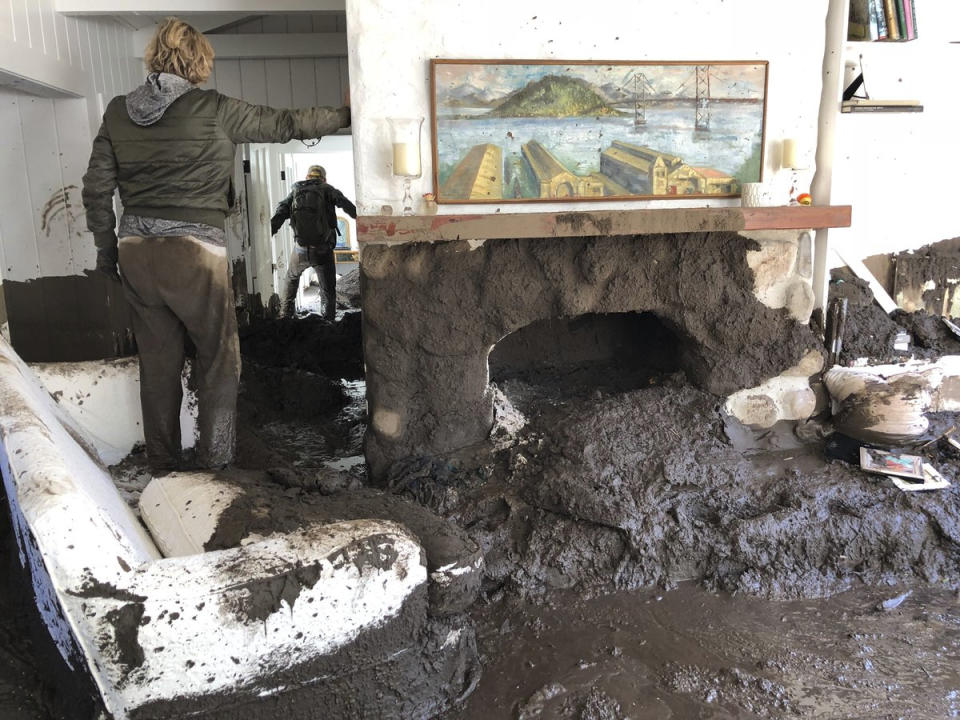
(181, 166)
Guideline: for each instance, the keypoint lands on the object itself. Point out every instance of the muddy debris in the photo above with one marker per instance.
(302, 403)
(631, 544)
(348, 290)
(929, 333)
(310, 343)
(870, 332)
(291, 392)
(874, 335)
(628, 490)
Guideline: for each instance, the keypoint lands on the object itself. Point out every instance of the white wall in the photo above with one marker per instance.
(896, 169)
(391, 44)
(285, 82)
(47, 138)
(50, 53)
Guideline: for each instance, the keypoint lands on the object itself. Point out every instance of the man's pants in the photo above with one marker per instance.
(302, 258)
(177, 286)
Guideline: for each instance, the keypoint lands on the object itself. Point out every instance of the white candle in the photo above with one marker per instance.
(406, 159)
(790, 154)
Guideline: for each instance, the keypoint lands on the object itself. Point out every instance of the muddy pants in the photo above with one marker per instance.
(302, 258)
(178, 286)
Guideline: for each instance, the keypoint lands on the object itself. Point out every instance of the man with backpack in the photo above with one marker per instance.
(310, 209)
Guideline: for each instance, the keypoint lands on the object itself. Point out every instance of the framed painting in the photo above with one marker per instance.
(548, 131)
(343, 233)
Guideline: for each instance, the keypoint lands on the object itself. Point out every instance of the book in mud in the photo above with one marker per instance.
(888, 463)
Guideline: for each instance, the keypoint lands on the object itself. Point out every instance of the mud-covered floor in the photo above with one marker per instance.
(645, 557)
(687, 653)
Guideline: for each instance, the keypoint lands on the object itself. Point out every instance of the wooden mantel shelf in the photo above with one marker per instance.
(378, 229)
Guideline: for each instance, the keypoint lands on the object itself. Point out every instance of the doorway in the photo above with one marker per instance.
(272, 171)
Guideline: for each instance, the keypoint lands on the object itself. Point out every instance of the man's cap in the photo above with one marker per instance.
(316, 171)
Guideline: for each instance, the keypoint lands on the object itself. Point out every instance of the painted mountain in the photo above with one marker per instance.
(555, 96)
(616, 93)
(467, 95)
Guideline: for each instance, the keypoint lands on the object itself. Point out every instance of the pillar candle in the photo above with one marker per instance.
(790, 154)
(406, 159)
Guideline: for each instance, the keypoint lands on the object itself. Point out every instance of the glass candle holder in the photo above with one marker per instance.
(793, 163)
(405, 141)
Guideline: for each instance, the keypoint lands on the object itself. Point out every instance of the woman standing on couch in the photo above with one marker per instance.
(169, 147)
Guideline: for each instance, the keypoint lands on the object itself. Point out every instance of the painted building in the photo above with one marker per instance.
(478, 176)
(646, 171)
(554, 180)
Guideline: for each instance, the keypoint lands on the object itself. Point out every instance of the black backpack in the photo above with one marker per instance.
(310, 216)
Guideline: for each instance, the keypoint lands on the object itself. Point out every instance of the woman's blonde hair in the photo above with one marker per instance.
(179, 49)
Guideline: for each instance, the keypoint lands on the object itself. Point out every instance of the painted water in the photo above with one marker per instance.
(731, 145)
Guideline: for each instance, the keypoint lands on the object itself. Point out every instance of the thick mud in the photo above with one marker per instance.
(432, 311)
(645, 556)
(687, 653)
(871, 333)
(309, 343)
(622, 490)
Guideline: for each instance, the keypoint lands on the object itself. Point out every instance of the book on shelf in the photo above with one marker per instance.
(878, 14)
(884, 20)
(873, 29)
(910, 16)
(901, 20)
(890, 14)
(865, 105)
(858, 27)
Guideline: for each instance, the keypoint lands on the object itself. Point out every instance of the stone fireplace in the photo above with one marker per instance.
(725, 305)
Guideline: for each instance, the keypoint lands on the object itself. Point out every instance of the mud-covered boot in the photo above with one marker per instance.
(330, 309)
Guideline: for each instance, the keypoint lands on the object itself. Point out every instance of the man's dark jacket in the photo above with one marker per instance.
(313, 194)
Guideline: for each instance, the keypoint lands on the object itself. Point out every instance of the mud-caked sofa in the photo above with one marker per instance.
(334, 615)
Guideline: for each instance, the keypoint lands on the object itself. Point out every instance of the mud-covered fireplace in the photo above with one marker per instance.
(606, 351)
(433, 311)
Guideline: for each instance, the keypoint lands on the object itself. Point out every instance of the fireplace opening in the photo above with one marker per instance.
(613, 352)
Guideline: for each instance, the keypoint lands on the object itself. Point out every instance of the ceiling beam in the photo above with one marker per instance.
(178, 7)
(211, 21)
(265, 45)
(204, 23)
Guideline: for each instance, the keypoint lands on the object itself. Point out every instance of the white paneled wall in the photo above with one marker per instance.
(47, 138)
(96, 48)
(285, 82)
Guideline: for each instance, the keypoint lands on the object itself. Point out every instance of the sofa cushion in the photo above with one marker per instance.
(190, 513)
(182, 511)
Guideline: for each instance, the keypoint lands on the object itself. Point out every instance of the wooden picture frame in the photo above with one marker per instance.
(519, 131)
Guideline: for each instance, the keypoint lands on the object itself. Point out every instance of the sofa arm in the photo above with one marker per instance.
(222, 621)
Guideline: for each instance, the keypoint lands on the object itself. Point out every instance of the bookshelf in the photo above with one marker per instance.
(882, 21)
(857, 105)
(874, 27)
